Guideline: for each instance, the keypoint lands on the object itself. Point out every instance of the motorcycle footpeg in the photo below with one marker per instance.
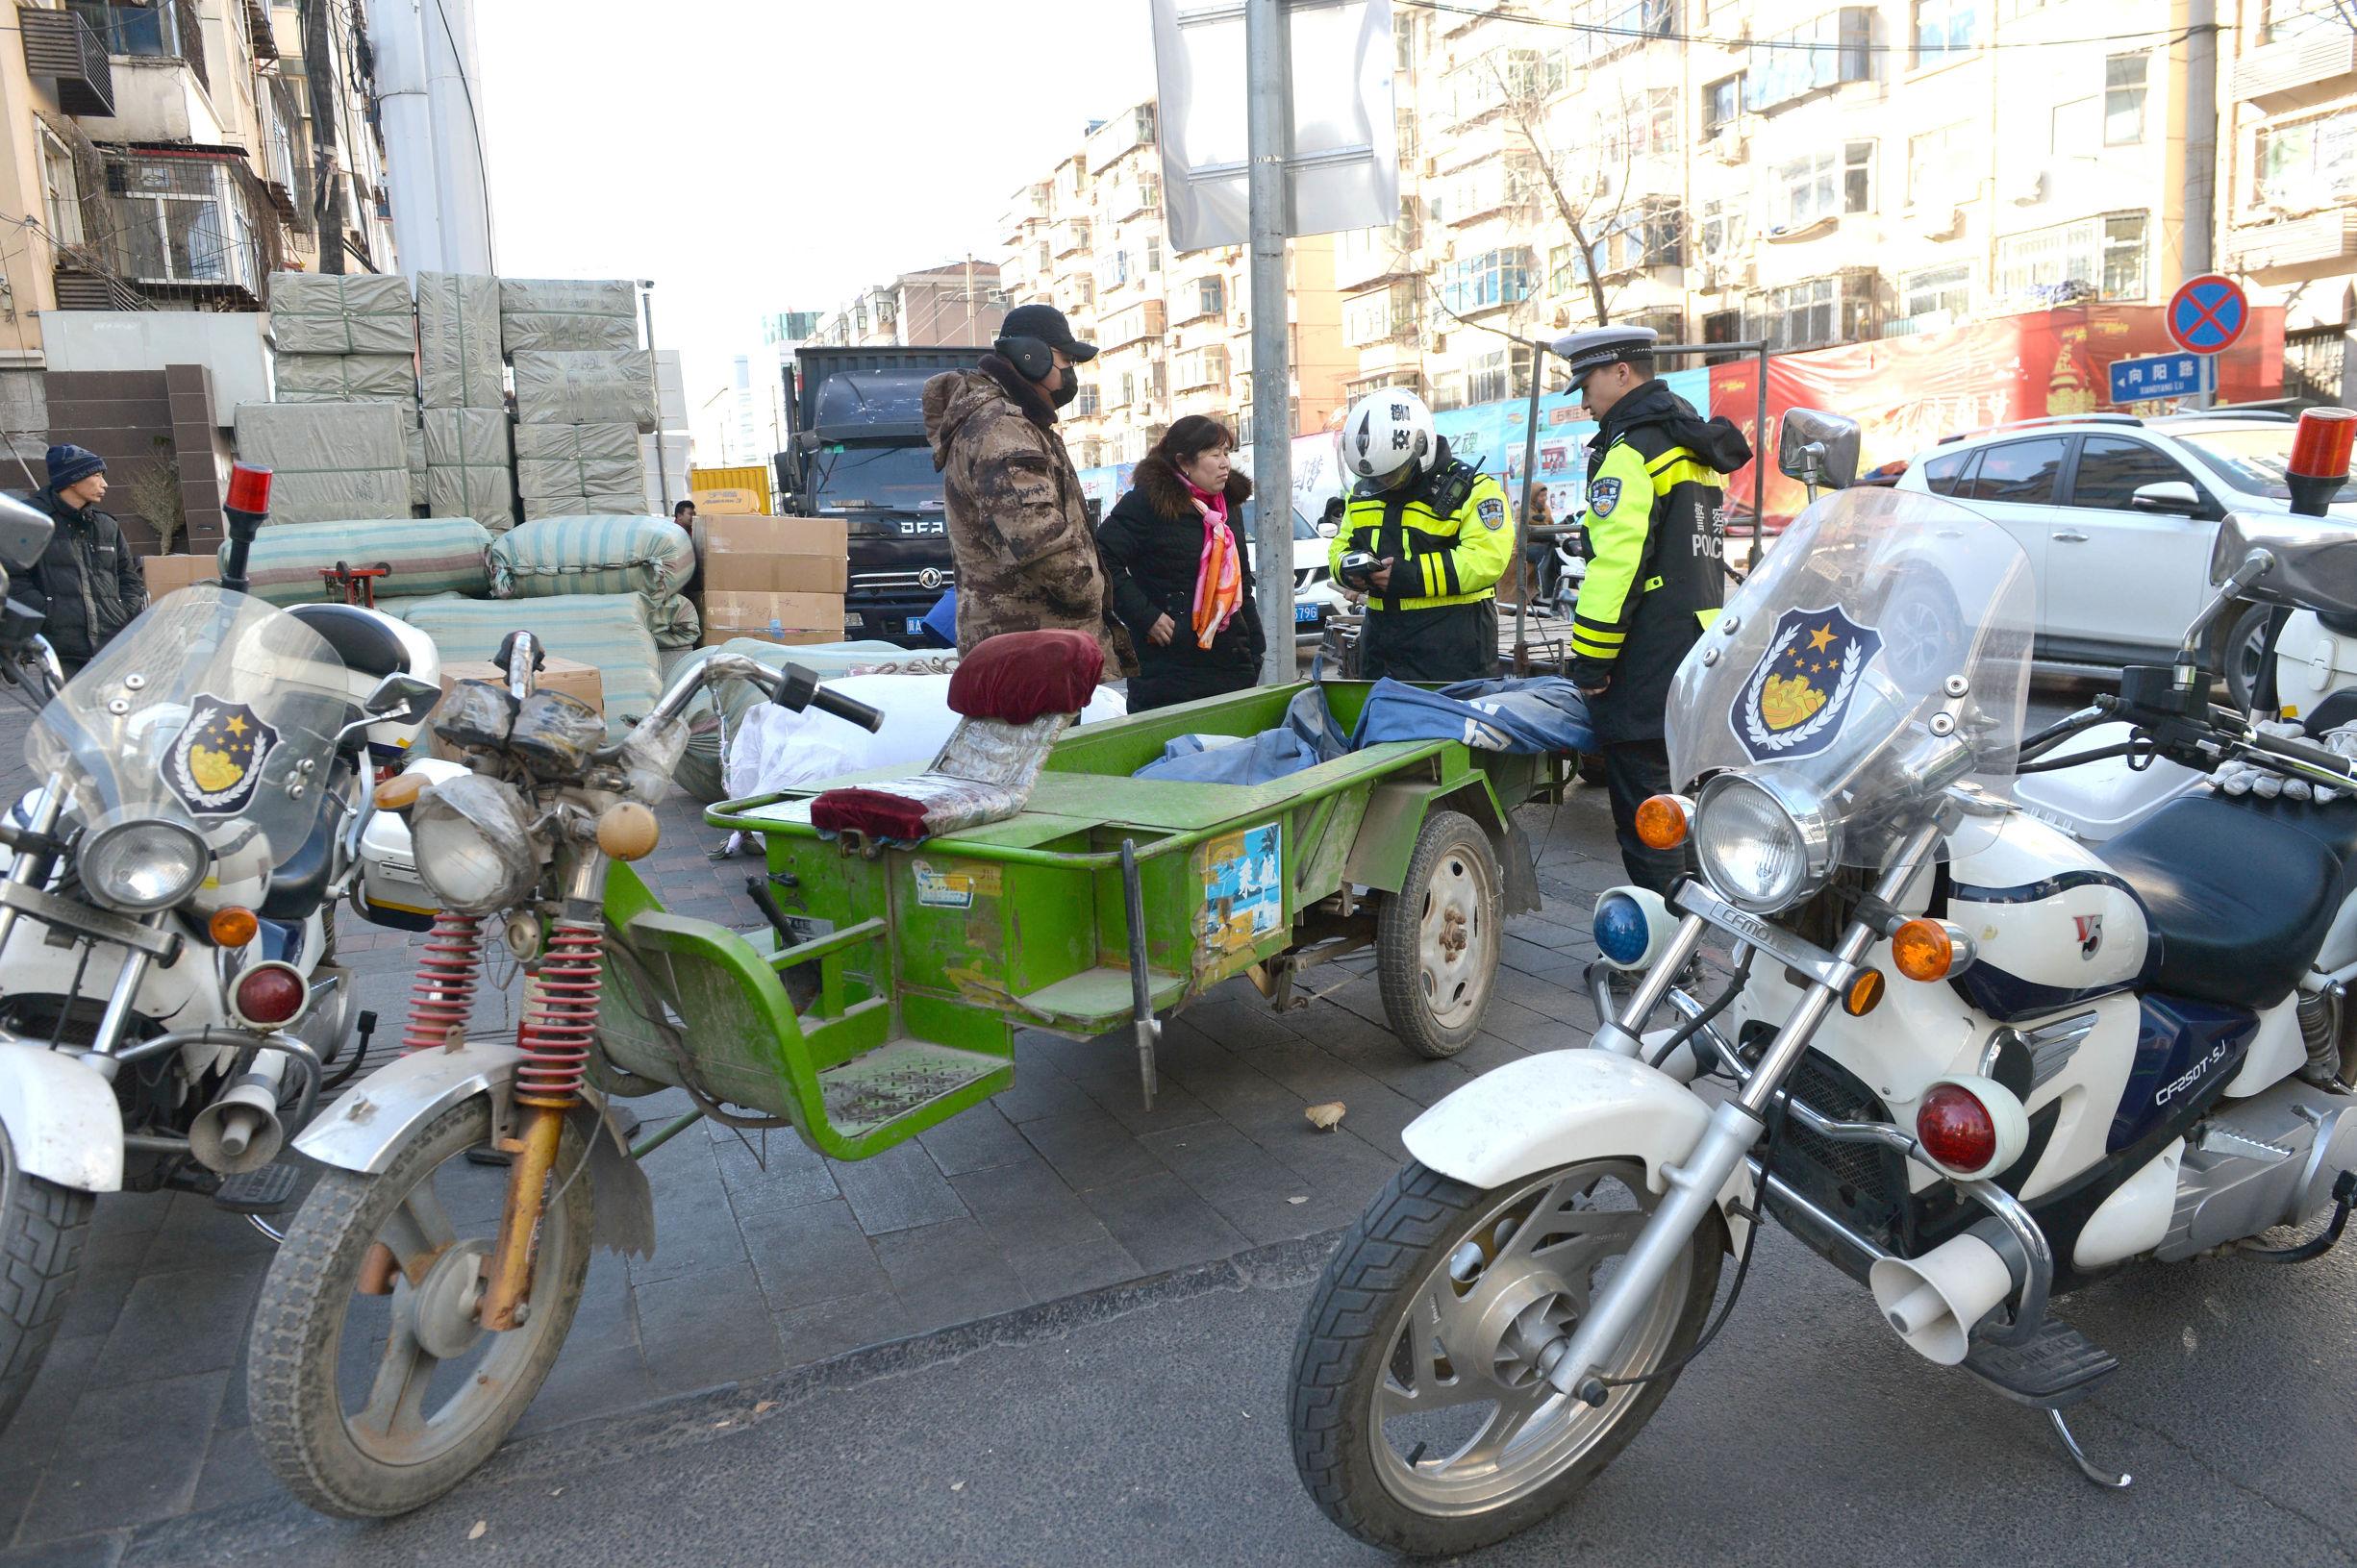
(2058, 1368)
(270, 1190)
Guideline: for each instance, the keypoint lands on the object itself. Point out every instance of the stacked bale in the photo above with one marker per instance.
(332, 461)
(343, 337)
(583, 392)
(649, 558)
(468, 453)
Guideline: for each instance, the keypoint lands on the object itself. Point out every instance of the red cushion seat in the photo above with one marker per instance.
(1017, 676)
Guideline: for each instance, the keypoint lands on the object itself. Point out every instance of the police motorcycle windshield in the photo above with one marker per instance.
(1880, 653)
(213, 709)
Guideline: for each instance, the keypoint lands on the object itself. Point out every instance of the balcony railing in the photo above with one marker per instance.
(167, 30)
(2281, 75)
(60, 44)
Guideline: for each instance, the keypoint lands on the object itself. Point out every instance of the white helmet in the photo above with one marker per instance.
(1384, 432)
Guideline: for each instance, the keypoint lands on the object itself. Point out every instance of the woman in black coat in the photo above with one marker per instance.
(1153, 548)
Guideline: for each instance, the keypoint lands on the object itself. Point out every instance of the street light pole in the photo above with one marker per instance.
(1268, 95)
(663, 461)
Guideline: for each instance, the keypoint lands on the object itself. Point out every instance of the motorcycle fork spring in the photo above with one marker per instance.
(445, 989)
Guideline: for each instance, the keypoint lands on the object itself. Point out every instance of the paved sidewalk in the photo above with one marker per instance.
(771, 1258)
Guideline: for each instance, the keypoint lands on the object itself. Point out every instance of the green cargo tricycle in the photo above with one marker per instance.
(877, 993)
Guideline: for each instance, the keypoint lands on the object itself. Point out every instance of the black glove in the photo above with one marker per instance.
(1593, 676)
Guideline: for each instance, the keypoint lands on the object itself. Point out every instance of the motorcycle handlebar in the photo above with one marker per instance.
(847, 709)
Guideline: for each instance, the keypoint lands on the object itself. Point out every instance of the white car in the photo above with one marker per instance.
(1316, 597)
(2117, 516)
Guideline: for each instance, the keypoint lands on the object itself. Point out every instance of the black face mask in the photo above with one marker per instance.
(1067, 390)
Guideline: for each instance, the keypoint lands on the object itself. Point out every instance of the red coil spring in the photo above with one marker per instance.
(562, 1018)
(445, 989)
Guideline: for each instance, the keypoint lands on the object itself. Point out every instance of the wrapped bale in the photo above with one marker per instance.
(427, 556)
(574, 555)
(414, 436)
(345, 378)
(674, 621)
(699, 770)
(578, 459)
(539, 314)
(466, 472)
(575, 504)
(321, 312)
(458, 356)
(586, 387)
(330, 460)
(605, 630)
(399, 607)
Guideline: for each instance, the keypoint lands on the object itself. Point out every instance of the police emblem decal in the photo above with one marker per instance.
(1792, 704)
(215, 765)
(1603, 495)
(1493, 513)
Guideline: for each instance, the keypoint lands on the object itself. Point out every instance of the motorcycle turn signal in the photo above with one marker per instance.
(1663, 821)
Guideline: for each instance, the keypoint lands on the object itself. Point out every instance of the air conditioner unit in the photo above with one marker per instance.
(1730, 147)
(1713, 278)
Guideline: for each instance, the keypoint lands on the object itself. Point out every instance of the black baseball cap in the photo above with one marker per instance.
(1047, 324)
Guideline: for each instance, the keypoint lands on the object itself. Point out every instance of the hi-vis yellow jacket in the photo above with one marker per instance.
(1449, 536)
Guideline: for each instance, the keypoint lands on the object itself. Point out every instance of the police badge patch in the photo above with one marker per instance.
(1792, 704)
(1493, 513)
(215, 765)
(1603, 495)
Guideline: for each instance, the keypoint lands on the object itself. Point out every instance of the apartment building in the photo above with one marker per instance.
(2287, 191)
(958, 303)
(1174, 330)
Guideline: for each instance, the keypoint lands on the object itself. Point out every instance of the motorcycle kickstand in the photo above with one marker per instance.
(2105, 1479)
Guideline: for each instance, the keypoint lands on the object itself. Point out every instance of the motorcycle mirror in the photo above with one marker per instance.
(1819, 448)
(24, 533)
(2313, 561)
(402, 699)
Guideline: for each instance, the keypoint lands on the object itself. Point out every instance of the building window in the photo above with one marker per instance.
(1944, 29)
(2307, 164)
(2280, 21)
(1380, 317)
(1722, 102)
(1112, 269)
(1857, 177)
(1836, 48)
(1566, 272)
(1085, 402)
(1825, 184)
(1485, 187)
(1801, 315)
(178, 221)
(60, 192)
(1497, 375)
(1211, 296)
(1153, 254)
(2096, 257)
(1485, 281)
(1937, 168)
(1723, 227)
(1944, 291)
(2123, 100)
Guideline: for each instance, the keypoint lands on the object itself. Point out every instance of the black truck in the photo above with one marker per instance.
(857, 450)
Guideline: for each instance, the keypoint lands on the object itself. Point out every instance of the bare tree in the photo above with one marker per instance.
(1589, 196)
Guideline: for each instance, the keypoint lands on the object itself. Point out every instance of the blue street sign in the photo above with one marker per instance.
(2166, 375)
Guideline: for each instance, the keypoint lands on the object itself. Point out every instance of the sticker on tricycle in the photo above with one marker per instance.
(1243, 890)
(953, 889)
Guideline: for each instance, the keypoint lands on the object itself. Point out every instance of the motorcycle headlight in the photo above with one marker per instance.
(1762, 841)
(142, 865)
(472, 841)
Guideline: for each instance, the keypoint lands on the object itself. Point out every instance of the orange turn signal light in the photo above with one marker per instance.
(400, 792)
(233, 927)
(1922, 950)
(1662, 822)
(1865, 993)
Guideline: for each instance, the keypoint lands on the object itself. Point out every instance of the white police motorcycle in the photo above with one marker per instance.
(1961, 1057)
(167, 1012)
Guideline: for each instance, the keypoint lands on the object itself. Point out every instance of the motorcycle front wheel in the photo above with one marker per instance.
(1421, 1419)
(371, 1402)
(42, 1227)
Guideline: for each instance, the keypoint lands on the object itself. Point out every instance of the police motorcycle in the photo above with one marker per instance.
(1961, 1057)
(166, 1013)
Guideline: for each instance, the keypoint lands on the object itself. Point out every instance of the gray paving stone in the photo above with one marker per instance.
(949, 1272)
(1029, 1210)
(898, 1189)
(28, 1441)
(113, 1467)
(1252, 1190)
(820, 1330)
(1090, 1149)
(812, 1254)
(1073, 1270)
(1161, 1222)
(701, 1330)
(590, 1382)
(190, 1320)
(773, 1171)
(234, 1472)
(695, 1232)
(89, 1552)
(974, 1141)
(1040, 1090)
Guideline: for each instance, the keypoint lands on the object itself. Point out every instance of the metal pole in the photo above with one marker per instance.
(1521, 543)
(1268, 89)
(662, 460)
(1759, 469)
(2200, 153)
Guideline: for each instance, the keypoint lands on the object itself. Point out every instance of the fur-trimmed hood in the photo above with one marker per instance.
(1167, 492)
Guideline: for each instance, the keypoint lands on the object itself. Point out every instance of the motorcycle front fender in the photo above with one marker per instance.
(60, 1117)
(1561, 1106)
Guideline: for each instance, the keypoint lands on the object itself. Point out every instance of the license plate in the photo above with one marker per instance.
(915, 625)
(1305, 614)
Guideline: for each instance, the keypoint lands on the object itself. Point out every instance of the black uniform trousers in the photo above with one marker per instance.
(1444, 645)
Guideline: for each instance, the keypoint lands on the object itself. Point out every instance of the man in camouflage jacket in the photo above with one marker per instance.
(1019, 523)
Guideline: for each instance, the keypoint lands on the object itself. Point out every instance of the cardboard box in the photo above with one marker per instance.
(170, 574)
(565, 675)
(800, 619)
(774, 555)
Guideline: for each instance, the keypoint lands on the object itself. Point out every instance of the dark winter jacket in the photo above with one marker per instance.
(87, 574)
(1153, 546)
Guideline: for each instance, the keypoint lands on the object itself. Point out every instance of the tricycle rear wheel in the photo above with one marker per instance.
(1437, 939)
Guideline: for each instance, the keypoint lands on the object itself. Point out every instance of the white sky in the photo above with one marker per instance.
(753, 155)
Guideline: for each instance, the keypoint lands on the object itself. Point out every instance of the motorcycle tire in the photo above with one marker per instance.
(1377, 1324)
(338, 1461)
(42, 1227)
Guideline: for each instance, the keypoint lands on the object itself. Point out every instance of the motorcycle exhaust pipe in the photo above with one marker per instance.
(1936, 1301)
(239, 1132)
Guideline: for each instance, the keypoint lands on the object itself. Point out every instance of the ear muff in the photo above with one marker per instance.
(1031, 356)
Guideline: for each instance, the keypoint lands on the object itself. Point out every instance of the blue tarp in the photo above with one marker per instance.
(1306, 739)
(1530, 713)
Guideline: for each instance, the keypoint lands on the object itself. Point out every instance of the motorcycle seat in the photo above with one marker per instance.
(2238, 892)
(360, 638)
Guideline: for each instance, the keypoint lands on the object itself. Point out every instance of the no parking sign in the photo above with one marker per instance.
(2207, 313)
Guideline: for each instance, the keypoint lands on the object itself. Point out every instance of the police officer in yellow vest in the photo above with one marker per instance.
(1656, 540)
(1440, 537)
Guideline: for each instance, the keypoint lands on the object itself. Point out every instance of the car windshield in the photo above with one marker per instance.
(1885, 630)
(859, 475)
(212, 709)
(2251, 458)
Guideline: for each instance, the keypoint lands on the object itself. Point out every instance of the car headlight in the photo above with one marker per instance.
(471, 837)
(142, 865)
(1762, 840)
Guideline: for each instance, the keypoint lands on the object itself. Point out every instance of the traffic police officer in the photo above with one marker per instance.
(1655, 531)
(1441, 536)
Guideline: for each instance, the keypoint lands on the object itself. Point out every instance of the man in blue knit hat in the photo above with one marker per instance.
(92, 585)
